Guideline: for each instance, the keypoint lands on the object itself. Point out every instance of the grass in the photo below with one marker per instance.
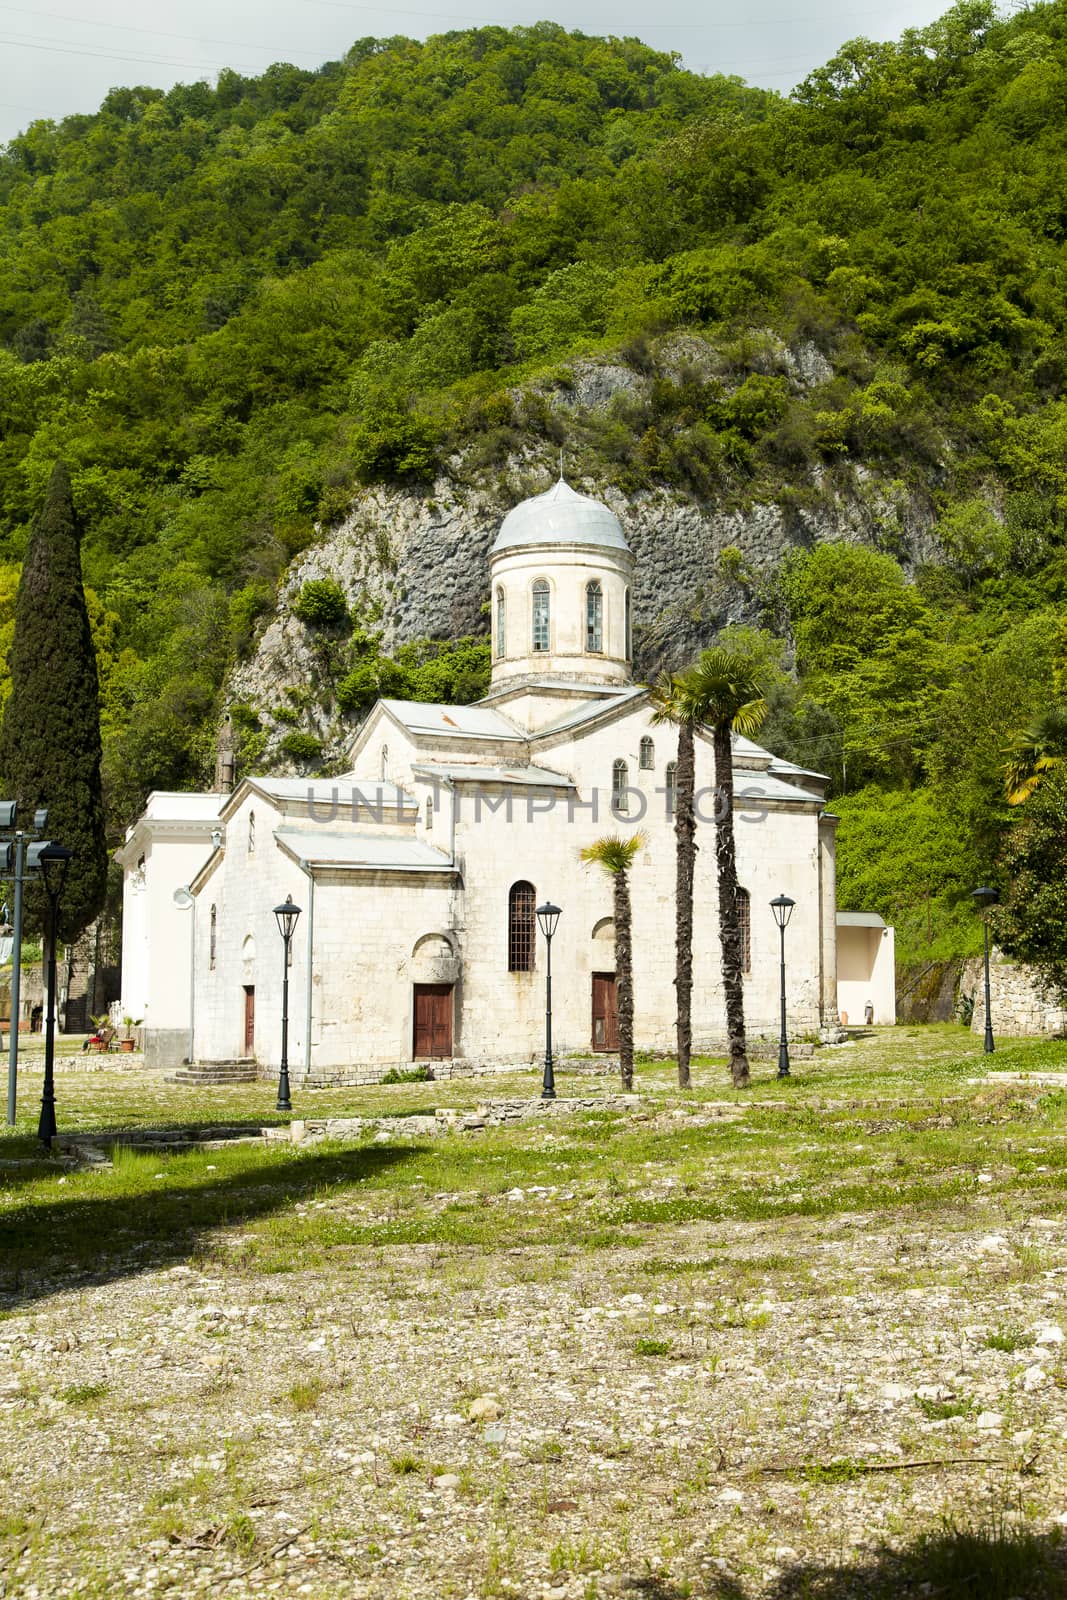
(705, 1234)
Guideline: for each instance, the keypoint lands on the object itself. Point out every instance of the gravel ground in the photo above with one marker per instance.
(706, 1412)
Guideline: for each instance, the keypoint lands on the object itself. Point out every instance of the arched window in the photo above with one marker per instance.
(744, 923)
(429, 812)
(384, 769)
(522, 927)
(251, 833)
(594, 617)
(213, 939)
(501, 625)
(648, 754)
(620, 783)
(627, 628)
(540, 616)
(671, 785)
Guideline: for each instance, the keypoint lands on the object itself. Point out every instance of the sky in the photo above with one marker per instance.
(56, 62)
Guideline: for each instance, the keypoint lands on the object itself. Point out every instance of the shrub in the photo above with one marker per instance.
(301, 746)
(321, 603)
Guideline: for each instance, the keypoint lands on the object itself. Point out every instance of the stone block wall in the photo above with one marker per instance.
(1018, 1006)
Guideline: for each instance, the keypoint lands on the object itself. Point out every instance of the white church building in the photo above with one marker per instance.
(418, 872)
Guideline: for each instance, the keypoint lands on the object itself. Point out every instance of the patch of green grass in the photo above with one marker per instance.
(652, 1347)
(405, 1464)
(84, 1394)
(1006, 1338)
(944, 1410)
(305, 1394)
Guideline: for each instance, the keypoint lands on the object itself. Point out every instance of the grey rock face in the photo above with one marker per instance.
(414, 563)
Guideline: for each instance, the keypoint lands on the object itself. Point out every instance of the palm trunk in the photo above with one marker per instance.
(729, 926)
(624, 980)
(685, 836)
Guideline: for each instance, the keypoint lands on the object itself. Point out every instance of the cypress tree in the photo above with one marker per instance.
(50, 740)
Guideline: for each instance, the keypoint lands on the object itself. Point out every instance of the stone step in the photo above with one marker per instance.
(209, 1075)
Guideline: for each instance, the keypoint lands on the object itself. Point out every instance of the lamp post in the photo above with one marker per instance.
(18, 855)
(985, 898)
(286, 915)
(782, 907)
(54, 861)
(547, 916)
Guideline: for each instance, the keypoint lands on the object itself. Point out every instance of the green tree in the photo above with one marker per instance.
(724, 692)
(1035, 752)
(617, 855)
(1029, 923)
(50, 739)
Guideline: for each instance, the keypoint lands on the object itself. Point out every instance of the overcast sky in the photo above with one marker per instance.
(64, 60)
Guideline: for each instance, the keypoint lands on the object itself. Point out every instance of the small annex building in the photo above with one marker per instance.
(866, 969)
(418, 872)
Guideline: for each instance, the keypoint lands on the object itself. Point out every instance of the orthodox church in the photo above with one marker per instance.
(418, 872)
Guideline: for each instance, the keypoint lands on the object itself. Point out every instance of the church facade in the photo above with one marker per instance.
(418, 872)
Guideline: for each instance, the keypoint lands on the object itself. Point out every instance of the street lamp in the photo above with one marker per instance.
(286, 916)
(54, 861)
(782, 907)
(547, 917)
(985, 898)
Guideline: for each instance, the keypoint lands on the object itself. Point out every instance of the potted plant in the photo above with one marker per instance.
(127, 1041)
(101, 1035)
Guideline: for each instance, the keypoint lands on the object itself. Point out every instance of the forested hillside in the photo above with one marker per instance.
(230, 308)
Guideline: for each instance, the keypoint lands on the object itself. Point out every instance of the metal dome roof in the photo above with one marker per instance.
(560, 516)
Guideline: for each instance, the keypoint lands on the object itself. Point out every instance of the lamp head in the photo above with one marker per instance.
(985, 897)
(40, 819)
(54, 861)
(286, 916)
(8, 813)
(782, 907)
(547, 917)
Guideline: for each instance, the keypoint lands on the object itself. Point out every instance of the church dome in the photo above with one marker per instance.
(560, 516)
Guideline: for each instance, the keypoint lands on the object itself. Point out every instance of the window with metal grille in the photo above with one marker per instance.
(251, 833)
(629, 644)
(620, 783)
(384, 773)
(540, 616)
(671, 785)
(429, 812)
(522, 927)
(501, 624)
(648, 754)
(594, 617)
(212, 946)
(744, 923)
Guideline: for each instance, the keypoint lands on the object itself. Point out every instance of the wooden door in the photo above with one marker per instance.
(250, 1020)
(433, 1020)
(605, 1012)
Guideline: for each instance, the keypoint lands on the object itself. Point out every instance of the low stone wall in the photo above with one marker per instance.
(1019, 1008)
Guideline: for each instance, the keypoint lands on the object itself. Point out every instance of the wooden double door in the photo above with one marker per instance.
(605, 1012)
(433, 1021)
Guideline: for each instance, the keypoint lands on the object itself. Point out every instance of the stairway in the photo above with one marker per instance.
(205, 1073)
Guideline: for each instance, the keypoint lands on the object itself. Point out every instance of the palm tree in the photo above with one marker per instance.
(668, 705)
(616, 855)
(724, 692)
(1034, 752)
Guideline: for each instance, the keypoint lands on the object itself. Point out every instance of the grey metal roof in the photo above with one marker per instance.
(351, 851)
(322, 791)
(860, 919)
(587, 712)
(560, 516)
(765, 786)
(777, 765)
(453, 722)
(531, 777)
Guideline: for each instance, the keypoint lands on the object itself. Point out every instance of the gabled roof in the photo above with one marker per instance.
(622, 699)
(323, 794)
(777, 765)
(452, 722)
(860, 919)
(353, 852)
(526, 776)
(758, 786)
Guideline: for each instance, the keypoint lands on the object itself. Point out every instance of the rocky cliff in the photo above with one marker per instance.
(414, 563)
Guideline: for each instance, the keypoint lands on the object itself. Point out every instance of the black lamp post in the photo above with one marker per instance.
(286, 915)
(782, 907)
(54, 861)
(547, 916)
(985, 898)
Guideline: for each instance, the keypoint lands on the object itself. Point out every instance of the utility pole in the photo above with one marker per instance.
(18, 861)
